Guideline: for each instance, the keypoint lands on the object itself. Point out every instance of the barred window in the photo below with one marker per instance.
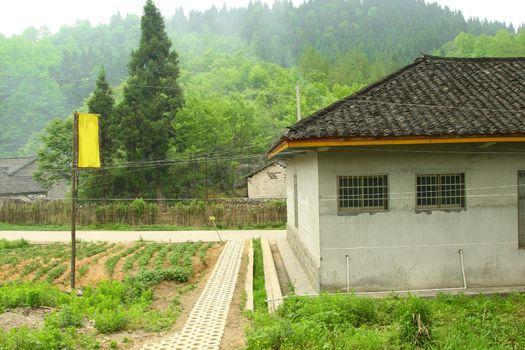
(363, 193)
(440, 191)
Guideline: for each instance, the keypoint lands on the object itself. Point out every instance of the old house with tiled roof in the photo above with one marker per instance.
(268, 181)
(16, 181)
(414, 182)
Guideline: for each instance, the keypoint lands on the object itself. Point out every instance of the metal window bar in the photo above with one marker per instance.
(363, 193)
(440, 191)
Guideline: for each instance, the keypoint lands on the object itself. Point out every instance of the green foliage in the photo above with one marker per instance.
(239, 97)
(17, 243)
(99, 184)
(13, 295)
(146, 114)
(259, 291)
(111, 262)
(502, 44)
(56, 272)
(416, 321)
(112, 306)
(356, 322)
(47, 338)
(55, 154)
(110, 321)
(65, 318)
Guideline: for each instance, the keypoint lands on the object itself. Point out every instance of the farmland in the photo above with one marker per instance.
(129, 292)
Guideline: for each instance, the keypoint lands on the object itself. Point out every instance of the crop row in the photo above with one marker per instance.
(38, 261)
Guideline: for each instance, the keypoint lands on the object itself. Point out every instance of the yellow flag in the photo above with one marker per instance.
(88, 143)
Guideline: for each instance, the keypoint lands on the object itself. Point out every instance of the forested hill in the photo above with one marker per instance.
(393, 29)
(338, 43)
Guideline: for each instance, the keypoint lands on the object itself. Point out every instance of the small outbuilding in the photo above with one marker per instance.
(17, 182)
(414, 182)
(268, 182)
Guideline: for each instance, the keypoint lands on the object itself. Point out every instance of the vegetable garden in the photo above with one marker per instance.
(119, 285)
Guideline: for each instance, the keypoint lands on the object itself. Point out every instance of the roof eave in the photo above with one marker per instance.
(410, 140)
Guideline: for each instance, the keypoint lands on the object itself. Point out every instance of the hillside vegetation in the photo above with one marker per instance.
(45, 76)
(238, 74)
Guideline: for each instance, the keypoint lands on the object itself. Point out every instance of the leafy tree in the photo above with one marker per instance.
(152, 98)
(55, 154)
(503, 44)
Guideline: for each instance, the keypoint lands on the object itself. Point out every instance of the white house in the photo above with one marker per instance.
(414, 182)
(268, 181)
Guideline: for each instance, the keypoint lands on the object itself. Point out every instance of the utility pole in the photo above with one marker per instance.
(206, 172)
(74, 194)
(298, 98)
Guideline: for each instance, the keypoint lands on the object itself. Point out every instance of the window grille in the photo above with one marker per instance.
(440, 191)
(363, 193)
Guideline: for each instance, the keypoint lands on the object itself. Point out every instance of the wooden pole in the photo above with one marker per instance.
(74, 195)
(298, 101)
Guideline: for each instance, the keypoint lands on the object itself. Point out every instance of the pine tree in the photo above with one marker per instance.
(102, 102)
(152, 98)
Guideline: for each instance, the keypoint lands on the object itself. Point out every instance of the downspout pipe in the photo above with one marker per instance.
(347, 273)
(462, 263)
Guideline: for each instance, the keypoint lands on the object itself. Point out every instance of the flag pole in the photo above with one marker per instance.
(74, 195)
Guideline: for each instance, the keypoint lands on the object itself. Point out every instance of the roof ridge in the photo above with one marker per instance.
(489, 83)
(473, 59)
(20, 157)
(361, 91)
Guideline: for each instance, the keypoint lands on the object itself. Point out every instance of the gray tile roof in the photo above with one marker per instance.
(433, 96)
(11, 184)
(280, 163)
(12, 165)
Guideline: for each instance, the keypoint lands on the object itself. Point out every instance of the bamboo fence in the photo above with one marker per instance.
(222, 214)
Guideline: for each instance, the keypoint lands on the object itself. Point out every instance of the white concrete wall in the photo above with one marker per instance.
(304, 239)
(261, 185)
(402, 249)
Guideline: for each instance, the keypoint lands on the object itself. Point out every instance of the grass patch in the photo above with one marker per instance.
(124, 227)
(352, 322)
(259, 291)
(17, 243)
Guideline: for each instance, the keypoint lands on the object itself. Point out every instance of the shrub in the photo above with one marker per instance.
(416, 321)
(18, 243)
(65, 318)
(30, 295)
(110, 321)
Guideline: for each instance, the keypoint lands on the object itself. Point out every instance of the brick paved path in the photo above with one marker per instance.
(205, 326)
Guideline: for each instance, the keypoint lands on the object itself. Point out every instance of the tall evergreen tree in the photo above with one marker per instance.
(152, 98)
(102, 102)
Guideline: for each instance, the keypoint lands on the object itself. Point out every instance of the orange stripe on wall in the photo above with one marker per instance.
(308, 143)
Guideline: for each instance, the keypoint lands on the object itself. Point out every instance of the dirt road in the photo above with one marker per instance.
(157, 236)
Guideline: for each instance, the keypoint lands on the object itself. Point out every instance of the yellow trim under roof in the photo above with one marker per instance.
(309, 143)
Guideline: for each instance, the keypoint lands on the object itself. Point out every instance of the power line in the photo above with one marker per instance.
(288, 95)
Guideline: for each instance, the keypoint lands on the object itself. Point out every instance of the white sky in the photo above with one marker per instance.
(17, 15)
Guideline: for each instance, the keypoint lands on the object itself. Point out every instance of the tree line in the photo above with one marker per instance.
(193, 126)
(56, 72)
